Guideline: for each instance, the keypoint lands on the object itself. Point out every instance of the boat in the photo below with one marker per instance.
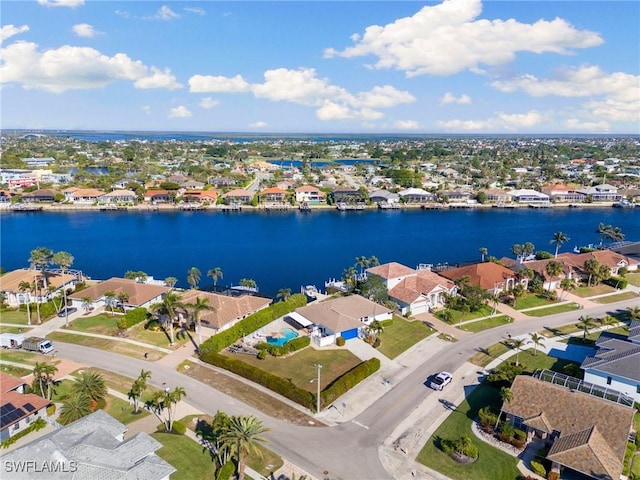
(624, 204)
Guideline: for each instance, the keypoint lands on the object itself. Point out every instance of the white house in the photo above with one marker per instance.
(528, 196)
(12, 286)
(309, 194)
(19, 409)
(129, 293)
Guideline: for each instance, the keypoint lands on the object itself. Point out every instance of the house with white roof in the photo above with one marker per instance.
(416, 195)
(528, 196)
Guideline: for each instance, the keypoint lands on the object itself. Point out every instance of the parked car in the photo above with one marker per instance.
(67, 311)
(441, 380)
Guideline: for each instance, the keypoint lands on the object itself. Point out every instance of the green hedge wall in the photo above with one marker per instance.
(252, 323)
(132, 317)
(616, 282)
(348, 380)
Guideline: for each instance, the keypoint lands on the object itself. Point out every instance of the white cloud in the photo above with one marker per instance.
(451, 98)
(217, 84)
(158, 79)
(180, 112)
(500, 122)
(448, 38)
(146, 109)
(61, 3)
(122, 13)
(613, 96)
(577, 125)
(70, 68)
(258, 124)
(406, 125)
(166, 14)
(84, 30)
(9, 31)
(196, 10)
(208, 102)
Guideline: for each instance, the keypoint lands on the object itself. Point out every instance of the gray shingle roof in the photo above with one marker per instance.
(617, 357)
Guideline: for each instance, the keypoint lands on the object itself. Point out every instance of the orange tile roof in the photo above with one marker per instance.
(238, 192)
(10, 282)
(139, 293)
(273, 190)
(20, 400)
(226, 308)
(391, 270)
(485, 275)
(423, 283)
(87, 192)
(9, 382)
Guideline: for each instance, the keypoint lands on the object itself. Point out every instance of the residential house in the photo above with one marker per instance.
(221, 182)
(238, 197)
(416, 195)
(157, 196)
(18, 409)
(615, 261)
(86, 195)
(137, 294)
(10, 286)
(92, 448)
(455, 196)
(528, 196)
(384, 197)
(117, 197)
(497, 196)
(202, 196)
(41, 195)
(487, 275)
(601, 193)
(415, 291)
(310, 195)
(586, 433)
(563, 194)
(616, 362)
(539, 268)
(273, 195)
(227, 310)
(347, 195)
(192, 185)
(339, 317)
(39, 162)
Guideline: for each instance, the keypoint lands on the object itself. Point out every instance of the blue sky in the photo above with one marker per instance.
(457, 66)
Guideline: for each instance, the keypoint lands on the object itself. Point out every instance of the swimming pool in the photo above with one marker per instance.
(288, 334)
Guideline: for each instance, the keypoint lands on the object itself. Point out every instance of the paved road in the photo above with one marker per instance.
(348, 451)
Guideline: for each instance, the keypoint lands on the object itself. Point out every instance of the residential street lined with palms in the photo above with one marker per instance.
(376, 414)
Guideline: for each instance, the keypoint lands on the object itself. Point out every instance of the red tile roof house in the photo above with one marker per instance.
(310, 194)
(86, 195)
(117, 197)
(273, 195)
(586, 433)
(157, 196)
(615, 261)
(139, 294)
(415, 291)
(17, 409)
(489, 276)
(540, 269)
(10, 286)
(202, 196)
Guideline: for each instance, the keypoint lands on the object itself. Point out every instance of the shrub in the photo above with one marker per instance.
(348, 380)
(462, 445)
(262, 354)
(519, 434)
(51, 409)
(39, 424)
(543, 255)
(553, 475)
(538, 468)
(517, 443)
(289, 347)
(387, 323)
(179, 428)
(616, 282)
(488, 418)
(226, 471)
(505, 373)
(153, 325)
(506, 432)
(132, 317)
(340, 341)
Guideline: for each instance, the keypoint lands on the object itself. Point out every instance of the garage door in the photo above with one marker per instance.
(347, 334)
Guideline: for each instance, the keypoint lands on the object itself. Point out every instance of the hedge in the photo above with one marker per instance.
(348, 380)
(39, 424)
(132, 317)
(538, 468)
(252, 323)
(616, 282)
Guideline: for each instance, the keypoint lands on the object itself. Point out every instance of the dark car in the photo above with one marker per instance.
(67, 311)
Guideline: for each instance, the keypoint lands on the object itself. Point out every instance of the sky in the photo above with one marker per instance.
(456, 66)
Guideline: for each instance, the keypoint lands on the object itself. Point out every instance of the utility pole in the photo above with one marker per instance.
(319, 367)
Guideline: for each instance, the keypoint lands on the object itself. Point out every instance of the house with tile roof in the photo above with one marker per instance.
(92, 448)
(118, 196)
(601, 193)
(272, 195)
(563, 194)
(86, 195)
(18, 410)
(203, 196)
(238, 196)
(586, 433)
(414, 291)
(310, 194)
(159, 195)
(615, 261)
(138, 294)
(616, 362)
(40, 195)
(10, 286)
(489, 276)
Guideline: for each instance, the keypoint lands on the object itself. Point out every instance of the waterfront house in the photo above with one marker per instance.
(221, 182)
(118, 197)
(528, 196)
(489, 276)
(347, 195)
(601, 193)
(416, 195)
(539, 268)
(496, 196)
(615, 261)
(310, 194)
(14, 296)
(384, 197)
(339, 317)
(91, 448)
(157, 196)
(238, 197)
(18, 409)
(272, 195)
(41, 195)
(137, 294)
(86, 195)
(616, 362)
(227, 310)
(585, 433)
(192, 185)
(563, 194)
(202, 196)
(455, 196)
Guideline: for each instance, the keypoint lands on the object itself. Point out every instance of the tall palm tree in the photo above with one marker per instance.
(44, 373)
(91, 385)
(591, 266)
(516, 249)
(608, 321)
(215, 274)
(553, 269)
(506, 395)
(528, 248)
(284, 294)
(193, 277)
(169, 306)
(483, 251)
(74, 408)
(171, 281)
(86, 303)
(40, 258)
(123, 298)
(537, 340)
(373, 261)
(248, 282)
(137, 388)
(243, 436)
(634, 313)
(200, 305)
(615, 234)
(567, 284)
(64, 260)
(374, 329)
(23, 287)
(559, 238)
(585, 322)
(110, 300)
(362, 262)
(517, 343)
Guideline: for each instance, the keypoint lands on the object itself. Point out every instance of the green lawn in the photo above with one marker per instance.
(15, 371)
(458, 316)
(187, 456)
(122, 410)
(616, 298)
(486, 355)
(633, 278)
(402, 335)
(531, 300)
(159, 338)
(532, 361)
(300, 367)
(20, 356)
(17, 317)
(119, 383)
(106, 344)
(492, 463)
(4, 329)
(485, 324)
(543, 312)
(101, 324)
(591, 291)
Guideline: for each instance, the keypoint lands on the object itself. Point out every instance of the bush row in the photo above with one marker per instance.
(289, 347)
(616, 282)
(39, 424)
(348, 380)
(252, 323)
(132, 317)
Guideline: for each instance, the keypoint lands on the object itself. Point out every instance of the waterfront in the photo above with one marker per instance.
(290, 249)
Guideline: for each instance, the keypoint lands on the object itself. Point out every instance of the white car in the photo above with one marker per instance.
(441, 380)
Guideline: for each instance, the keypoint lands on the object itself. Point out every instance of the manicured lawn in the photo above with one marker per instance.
(616, 298)
(635, 466)
(101, 324)
(300, 367)
(106, 344)
(266, 464)
(15, 371)
(458, 316)
(62, 390)
(402, 335)
(187, 456)
(543, 312)
(492, 463)
(485, 324)
(17, 317)
(486, 355)
(122, 411)
(28, 358)
(531, 300)
(633, 278)
(159, 338)
(119, 383)
(585, 292)
(4, 329)
(532, 361)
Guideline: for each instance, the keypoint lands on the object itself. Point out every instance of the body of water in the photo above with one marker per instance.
(290, 249)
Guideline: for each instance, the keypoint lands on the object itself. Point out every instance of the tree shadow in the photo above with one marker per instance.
(204, 431)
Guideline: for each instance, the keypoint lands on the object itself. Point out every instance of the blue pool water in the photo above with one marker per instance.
(289, 334)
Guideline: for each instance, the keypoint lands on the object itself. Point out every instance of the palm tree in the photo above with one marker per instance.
(608, 321)
(40, 258)
(603, 231)
(585, 322)
(516, 249)
(23, 287)
(171, 281)
(506, 395)
(559, 238)
(74, 408)
(483, 252)
(91, 385)
(567, 284)
(373, 261)
(591, 266)
(86, 303)
(537, 340)
(64, 260)
(528, 248)
(634, 313)
(44, 373)
(242, 437)
(374, 329)
(169, 306)
(615, 234)
(110, 300)
(284, 294)
(200, 305)
(215, 274)
(123, 297)
(249, 283)
(163, 405)
(553, 269)
(193, 277)
(137, 388)
(349, 277)
(362, 262)
(517, 343)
